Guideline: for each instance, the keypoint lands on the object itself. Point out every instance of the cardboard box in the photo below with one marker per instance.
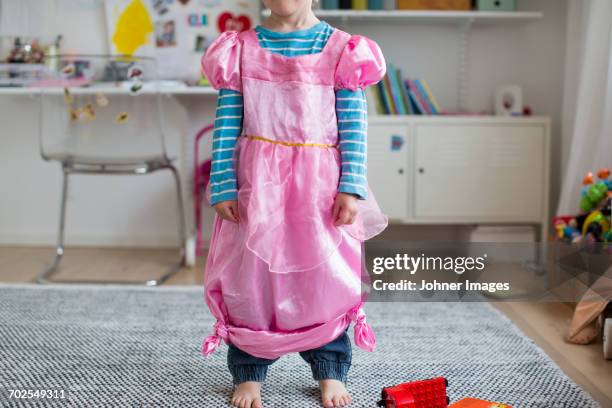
(434, 4)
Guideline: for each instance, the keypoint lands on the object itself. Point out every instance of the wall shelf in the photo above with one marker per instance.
(427, 16)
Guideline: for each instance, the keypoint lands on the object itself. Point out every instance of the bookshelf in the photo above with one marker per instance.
(463, 20)
(428, 16)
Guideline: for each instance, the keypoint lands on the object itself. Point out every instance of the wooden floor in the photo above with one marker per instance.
(545, 323)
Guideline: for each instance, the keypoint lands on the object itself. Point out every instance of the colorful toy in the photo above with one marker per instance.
(594, 192)
(416, 394)
(477, 403)
(567, 230)
(594, 224)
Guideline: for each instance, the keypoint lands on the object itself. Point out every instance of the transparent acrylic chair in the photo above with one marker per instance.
(103, 115)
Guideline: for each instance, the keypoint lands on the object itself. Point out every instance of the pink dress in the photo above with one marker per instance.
(285, 279)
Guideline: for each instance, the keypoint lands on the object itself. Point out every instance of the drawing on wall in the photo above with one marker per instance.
(176, 32)
(130, 25)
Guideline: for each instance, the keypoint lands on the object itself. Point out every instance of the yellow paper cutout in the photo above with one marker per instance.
(133, 29)
(122, 117)
(68, 99)
(101, 100)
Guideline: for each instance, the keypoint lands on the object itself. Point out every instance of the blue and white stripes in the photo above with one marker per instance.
(351, 112)
(228, 126)
(310, 41)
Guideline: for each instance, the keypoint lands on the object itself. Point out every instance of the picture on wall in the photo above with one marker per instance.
(176, 32)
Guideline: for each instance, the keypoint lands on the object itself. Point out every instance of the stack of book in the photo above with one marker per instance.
(397, 96)
(358, 4)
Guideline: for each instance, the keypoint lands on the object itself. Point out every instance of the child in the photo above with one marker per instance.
(293, 206)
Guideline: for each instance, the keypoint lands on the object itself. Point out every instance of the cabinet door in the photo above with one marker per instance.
(480, 172)
(388, 173)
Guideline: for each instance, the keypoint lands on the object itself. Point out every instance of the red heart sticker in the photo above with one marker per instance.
(228, 22)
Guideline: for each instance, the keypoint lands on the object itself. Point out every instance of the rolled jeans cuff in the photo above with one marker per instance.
(329, 370)
(244, 373)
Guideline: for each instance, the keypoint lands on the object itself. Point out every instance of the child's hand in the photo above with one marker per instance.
(345, 209)
(228, 210)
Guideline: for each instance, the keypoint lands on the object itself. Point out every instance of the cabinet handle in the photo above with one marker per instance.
(400, 171)
(421, 170)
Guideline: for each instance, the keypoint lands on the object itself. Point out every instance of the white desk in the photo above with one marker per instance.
(30, 187)
(111, 90)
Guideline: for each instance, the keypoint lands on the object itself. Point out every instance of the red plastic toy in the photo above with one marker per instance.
(478, 403)
(416, 394)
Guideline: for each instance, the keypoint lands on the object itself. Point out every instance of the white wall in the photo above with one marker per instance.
(136, 211)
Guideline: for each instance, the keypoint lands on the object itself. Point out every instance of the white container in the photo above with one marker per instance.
(390, 5)
(508, 234)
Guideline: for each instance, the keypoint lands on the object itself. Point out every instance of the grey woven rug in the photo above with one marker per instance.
(110, 346)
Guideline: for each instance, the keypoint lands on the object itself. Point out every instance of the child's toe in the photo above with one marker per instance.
(327, 402)
(257, 403)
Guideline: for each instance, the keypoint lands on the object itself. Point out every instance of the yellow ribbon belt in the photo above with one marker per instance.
(263, 139)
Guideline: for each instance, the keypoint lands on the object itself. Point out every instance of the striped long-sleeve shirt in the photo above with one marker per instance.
(351, 112)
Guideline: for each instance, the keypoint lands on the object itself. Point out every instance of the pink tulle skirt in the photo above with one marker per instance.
(285, 279)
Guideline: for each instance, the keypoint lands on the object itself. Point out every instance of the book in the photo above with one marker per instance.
(346, 4)
(404, 94)
(395, 90)
(431, 97)
(375, 4)
(360, 4)
(426, 100)
(414, 100)
(379, 108)
(389, 94)
(331, 4)
(389, 5)
(370, 101)
(421, 100)
(383, 97)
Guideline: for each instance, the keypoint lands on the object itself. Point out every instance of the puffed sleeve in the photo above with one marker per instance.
(361, 64)
(221, 63)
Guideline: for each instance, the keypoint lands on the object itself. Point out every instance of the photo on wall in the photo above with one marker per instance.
(175, 32)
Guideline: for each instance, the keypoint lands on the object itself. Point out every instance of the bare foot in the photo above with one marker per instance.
(247, 395)
(334, 394)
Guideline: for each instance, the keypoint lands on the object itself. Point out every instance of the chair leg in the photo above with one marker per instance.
(182, 231)
(43, 277)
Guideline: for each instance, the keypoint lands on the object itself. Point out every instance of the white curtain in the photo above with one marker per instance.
(587, 106)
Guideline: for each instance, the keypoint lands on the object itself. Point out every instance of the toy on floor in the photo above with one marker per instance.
(416, 394)
(429, 393)
(477, 403)
(594, 224)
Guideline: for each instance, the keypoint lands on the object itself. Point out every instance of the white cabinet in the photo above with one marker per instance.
(454, 170)
(479, 172)
(389, 168)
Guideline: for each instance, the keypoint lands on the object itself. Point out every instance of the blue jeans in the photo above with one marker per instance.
(331, 361)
